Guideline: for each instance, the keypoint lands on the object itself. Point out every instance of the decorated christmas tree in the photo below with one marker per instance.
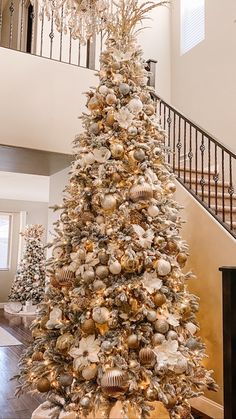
(29, 282)
(118, 326)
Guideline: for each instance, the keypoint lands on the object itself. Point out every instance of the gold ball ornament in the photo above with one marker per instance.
(182, 259)
(170, 187)
(159, 299)
(151, 316)
(64, 342)
(37, 356)
(65, 380)
(94, 103)
(43, 385)
(100, 219)
(132, 341)
(114, 382)
(147, 357)
(141, 192)
(110, 119)
(102, 271)
(163, 267)
(88, 326)
(100, 315)
(111, 99)
(161, 326)
(88, 276)
(108, 202)
(150, 109)
(90, 372)
(103, 258)
(117, 150)
(171, 246)
(116, 178)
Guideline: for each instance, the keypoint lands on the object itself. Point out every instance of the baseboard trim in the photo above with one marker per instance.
(209, 407)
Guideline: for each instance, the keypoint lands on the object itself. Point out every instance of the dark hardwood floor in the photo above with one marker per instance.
(12, 407)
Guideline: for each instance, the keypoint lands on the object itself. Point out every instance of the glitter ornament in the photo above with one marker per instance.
(181, 366)
(88, 275)
(147, 357)
(159, 299)
(172, 335)
(94, 128)
(100, 315)
(102, 272)
(132, 131)
(99, 285)
(151, 316)
(64, 342)
(108, 203)
(65, 380)
(124, 89)
(90, 372)
(100, 219)
(133, 341)
(43, 385)
(115, 267)
(94, 103)
(110, 119)
(149, 110)
(163, 267)
(182, 259)
(103, 90)
(135, 106)
(88, 326)
(85, 402)
(170, 187)
(161, 326)
(139, 155)
(158, 339)
(103, 258)
(114, 382)
(141, 192)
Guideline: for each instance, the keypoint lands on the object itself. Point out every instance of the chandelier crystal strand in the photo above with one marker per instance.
(83, 18)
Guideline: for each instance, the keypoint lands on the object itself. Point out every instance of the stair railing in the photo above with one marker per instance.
(203, 165)
(24, 29)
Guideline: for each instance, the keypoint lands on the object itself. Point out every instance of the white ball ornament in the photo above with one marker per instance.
(94, 128)
(115, 267)
(151, 316)
(181, 366)
(153, 211)
(100, 315)
(124, 89)
(158, 339)
(163, 267)
(135, 105)
(103, 90)
(132, 131)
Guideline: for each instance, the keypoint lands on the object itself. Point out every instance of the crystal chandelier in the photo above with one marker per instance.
(82, 18)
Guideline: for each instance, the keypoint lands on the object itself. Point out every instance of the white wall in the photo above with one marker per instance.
(19, 186)
(156, 44)
(203, 79)
(40, 101)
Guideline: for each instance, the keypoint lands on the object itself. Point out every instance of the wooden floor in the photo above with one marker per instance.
(12, 407)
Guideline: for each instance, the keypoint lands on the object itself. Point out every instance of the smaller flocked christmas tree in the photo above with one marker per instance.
(29, 281)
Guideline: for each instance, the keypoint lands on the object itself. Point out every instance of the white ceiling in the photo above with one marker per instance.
(24, 187)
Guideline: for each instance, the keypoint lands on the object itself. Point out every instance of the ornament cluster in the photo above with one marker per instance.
(29, 282)
(118, 322)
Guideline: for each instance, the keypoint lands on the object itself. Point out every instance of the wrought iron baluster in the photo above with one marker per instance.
(202, 181)
(231, 190)
(79, 54)
(169, 120)
(21, 24)
(11, 10)
(196, 161)
(164, 116)
(185, 134)
(42, 28)
(179, 145)
(190, 156)
(160, 112)
(209, 172)
(51, 35)
(32, 17)
(1, 5)
(174, 139)
(61, 33)
(70, 45)
(223, 183)
(216, 178)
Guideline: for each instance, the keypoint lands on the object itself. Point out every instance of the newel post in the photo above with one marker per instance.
(229, 340)
(151, 67)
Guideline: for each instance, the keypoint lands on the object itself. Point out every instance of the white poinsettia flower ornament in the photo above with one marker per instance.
(145, 237)
(124, 117)
(151, 282)
(86, 352)
(121, 56)
(167, 353)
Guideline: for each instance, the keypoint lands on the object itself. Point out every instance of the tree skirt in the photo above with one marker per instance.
(46, 411)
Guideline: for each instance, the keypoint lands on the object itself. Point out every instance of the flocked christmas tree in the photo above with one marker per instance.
(118, 322)
(29, 282)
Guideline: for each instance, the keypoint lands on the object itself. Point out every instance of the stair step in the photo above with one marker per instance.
(212, 182)
(194, 171)
(213, 194)
(220, 208)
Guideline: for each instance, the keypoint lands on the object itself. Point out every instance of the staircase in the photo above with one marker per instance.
(204, 166)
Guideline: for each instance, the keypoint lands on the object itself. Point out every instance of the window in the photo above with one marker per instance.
(5, 236)
(192, 23)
